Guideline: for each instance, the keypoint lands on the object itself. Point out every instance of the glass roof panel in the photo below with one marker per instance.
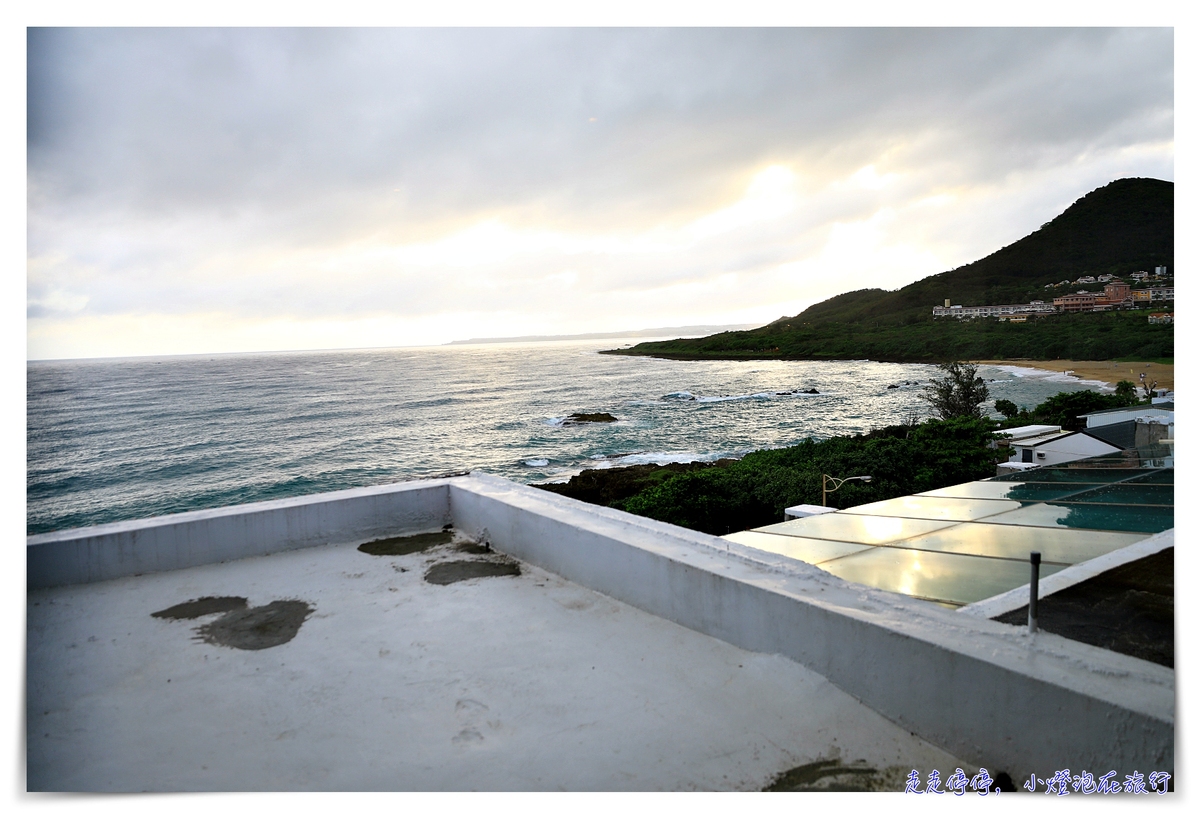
(856, 528)
(1147, 519)
(1065, 547)
(1162, 476)
(798, 548)
(1129, 495)
(935, 508)
(995, 490)
(1062, 474)
(956, 578)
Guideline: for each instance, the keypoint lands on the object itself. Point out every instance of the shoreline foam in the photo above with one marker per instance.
(1107, 373)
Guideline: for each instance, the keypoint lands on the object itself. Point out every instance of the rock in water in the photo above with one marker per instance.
(589, 417)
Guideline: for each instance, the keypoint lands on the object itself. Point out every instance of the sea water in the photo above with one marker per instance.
(123, 439)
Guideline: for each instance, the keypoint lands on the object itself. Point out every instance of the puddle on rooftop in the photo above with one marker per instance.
(412, 544)
(266, 626)
(833, 775)
(204, 606)
(258, 628)
(447, 572)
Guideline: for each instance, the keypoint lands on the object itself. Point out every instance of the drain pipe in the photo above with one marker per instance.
(1035, 560)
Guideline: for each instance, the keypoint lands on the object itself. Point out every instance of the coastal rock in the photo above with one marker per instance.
(588, 417)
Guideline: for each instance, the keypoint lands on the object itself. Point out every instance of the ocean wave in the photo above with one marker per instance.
(537, 462)
(725, 398)
(1050, 376)
(689, 396)
(601, 461)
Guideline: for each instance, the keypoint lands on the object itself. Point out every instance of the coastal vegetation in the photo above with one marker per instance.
(734, 495)
(1065, 408)
(961, 393)
(1123, 227)
(754, 491)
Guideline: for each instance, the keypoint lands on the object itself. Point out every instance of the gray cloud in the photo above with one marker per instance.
(158, 120)
(162, 162)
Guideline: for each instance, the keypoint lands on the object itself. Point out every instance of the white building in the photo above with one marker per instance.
(1163, 412)
(1052, 448)
(994, 311)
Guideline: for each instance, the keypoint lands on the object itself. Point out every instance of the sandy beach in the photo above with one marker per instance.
(1107, 371)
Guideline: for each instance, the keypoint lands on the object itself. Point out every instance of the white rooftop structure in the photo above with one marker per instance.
(1107, 416)
(626, 655)
(1033, 431)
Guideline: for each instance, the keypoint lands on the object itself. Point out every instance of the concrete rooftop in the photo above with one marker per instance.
(625, 654)
(393, 683)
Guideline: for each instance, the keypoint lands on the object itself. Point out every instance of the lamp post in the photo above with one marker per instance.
(836, 482)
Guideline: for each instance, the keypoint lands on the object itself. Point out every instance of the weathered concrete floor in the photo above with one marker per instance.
(522, 682)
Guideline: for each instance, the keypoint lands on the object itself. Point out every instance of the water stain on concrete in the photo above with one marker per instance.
(413, 544)
(205, 605)
(265, 626)
(831, 775)
(447, 573)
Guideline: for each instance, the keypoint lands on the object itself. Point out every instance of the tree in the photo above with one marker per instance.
(1007, 408)
(1065, 408)
(1127, 391)
(958, 395)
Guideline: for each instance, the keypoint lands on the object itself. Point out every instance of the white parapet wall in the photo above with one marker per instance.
(986, 691)
(983, 690)
(213, 535)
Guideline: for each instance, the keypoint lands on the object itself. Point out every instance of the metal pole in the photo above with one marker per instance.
(1035, 560)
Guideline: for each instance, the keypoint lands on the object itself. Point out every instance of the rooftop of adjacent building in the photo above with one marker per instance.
(966, 543)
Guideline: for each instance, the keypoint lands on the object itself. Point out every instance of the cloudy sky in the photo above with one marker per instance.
(201, 190)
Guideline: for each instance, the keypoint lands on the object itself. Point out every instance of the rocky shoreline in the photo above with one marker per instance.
(603, 487)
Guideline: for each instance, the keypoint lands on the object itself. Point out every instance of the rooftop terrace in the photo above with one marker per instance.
(257, 647)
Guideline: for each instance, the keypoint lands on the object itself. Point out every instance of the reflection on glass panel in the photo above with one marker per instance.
(1162, 476)
(1014, 542)
(1062, 474)
(798, 548)
(932, 575)
(935, 508)
(1147, 519)
(858, 528)
(996, 490)
(1124, 494)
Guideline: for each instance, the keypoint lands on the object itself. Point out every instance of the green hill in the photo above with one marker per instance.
(1123, 227)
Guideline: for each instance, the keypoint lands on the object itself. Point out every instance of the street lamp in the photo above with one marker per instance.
(827, 480)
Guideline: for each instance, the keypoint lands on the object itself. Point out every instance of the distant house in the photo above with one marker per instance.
(1161, 318)
(993, 310)
(1076, 302)
(1035, 446)
(1116, 294)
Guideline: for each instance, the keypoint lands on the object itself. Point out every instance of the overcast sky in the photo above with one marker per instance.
(197, 190)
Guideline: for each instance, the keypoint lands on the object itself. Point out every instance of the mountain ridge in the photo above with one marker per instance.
(1121, 227)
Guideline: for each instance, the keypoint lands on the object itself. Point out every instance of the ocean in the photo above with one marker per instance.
(121, 439)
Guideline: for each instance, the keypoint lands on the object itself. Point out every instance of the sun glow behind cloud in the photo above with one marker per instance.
(596, 186)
